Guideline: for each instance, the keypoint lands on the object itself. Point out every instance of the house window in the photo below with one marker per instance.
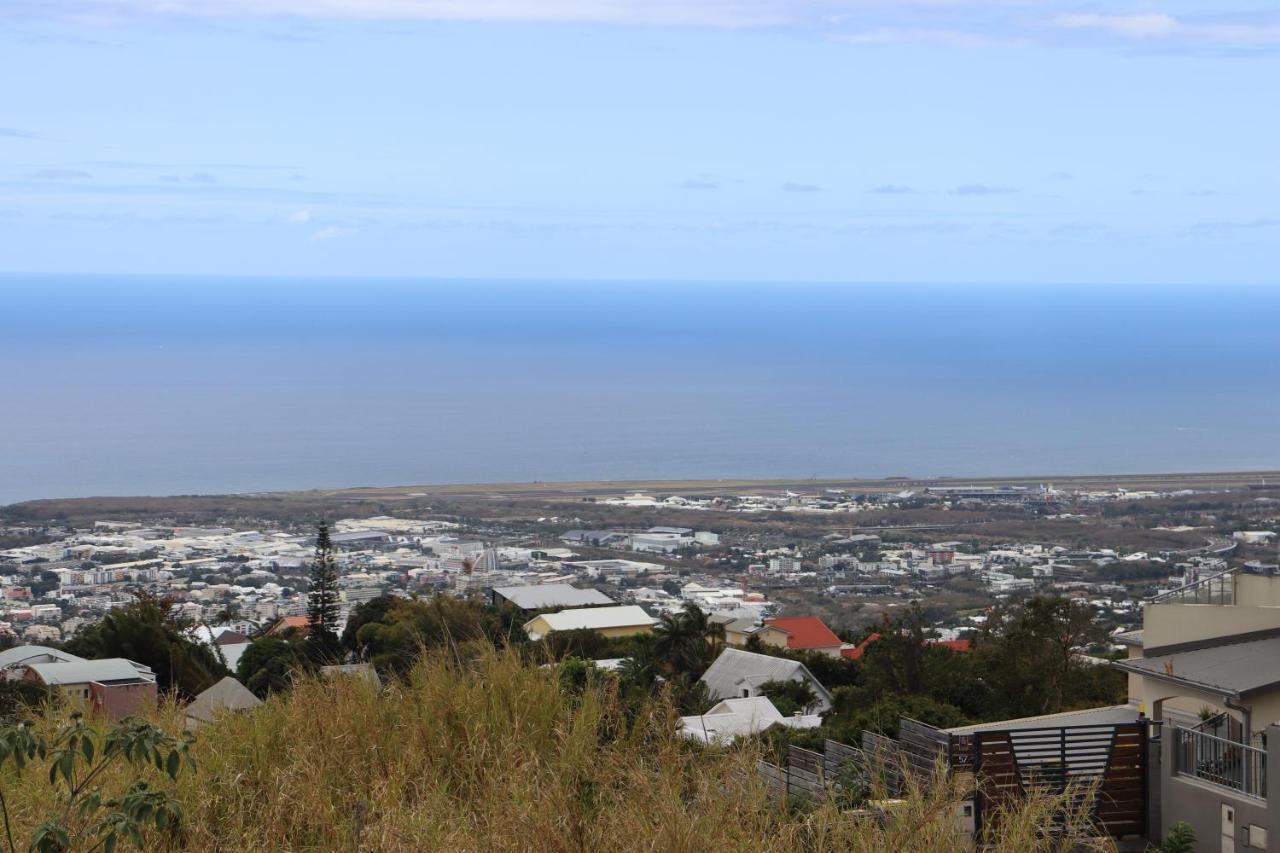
(746, 693)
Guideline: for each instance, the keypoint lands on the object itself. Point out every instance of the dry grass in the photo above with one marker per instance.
(495, 755)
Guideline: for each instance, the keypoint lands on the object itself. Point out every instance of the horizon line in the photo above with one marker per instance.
(612, 280)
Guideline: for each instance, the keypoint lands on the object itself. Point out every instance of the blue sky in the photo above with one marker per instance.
(848, 140)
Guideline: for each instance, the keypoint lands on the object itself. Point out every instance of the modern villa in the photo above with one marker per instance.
(1206, 670)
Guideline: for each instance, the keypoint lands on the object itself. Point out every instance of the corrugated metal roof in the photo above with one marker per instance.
(544, 596)
(34, 654)
(736, 669)
(85, 671)
(1234, 669)
(596, 618)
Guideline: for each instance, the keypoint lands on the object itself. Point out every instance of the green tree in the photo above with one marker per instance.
(21, 696)
(270, 663)
(1027, 653)
(374, 610)
(322, 601)
(581, 643)
(852, 714)
(412, 625)
(687, 642)
(640, 670)
(896, 662)
(150, 632)
(790, 697)
(86, 810)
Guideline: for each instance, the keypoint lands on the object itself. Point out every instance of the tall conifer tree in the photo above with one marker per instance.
(322, 600)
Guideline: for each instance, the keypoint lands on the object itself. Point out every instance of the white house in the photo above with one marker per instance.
(733, 718)
(738, 674)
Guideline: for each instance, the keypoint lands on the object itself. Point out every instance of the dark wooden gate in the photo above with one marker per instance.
(1010, 763)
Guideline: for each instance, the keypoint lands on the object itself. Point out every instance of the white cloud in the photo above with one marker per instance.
(942, 23)
(719, 13)
(1129, 26)
(1155, 27)
(329, 232)
(299, 217)
(899, 35)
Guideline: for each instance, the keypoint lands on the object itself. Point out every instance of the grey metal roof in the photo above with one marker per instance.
(34, 654)
(358, 536)
(736, 669)
(1231, 669)
(543, 596)
(1106, 716)
(85, 671)
(227, 695)
(1128, 638)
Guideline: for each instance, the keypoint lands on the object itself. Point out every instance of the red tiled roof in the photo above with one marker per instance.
(287, 622)
(859, 650)
(805, 632)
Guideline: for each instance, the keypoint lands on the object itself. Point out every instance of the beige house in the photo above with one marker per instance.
(1206, 668)
(738, 631)
(619, 621)
(1215, 645)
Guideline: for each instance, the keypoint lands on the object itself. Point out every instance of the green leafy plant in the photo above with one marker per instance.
(1180, 838)
(85, 815)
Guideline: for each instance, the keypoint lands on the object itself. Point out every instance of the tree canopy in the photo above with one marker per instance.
(149, 631)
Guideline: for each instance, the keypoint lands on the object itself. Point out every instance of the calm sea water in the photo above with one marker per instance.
(178, 386)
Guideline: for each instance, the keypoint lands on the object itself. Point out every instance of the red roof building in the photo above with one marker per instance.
(856, 652)
(298, 623)
(806, 633)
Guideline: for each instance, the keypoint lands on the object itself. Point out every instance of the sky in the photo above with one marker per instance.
(1021, 141)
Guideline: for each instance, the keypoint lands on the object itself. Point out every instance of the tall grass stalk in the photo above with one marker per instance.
(482, 751)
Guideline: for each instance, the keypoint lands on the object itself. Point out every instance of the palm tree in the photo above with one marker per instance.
(641, 666)
(687, 642)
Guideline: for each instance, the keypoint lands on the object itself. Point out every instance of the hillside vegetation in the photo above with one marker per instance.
(479, 750)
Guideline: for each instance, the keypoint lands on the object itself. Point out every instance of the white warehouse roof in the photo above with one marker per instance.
(594, 618)
(85, 671)
(543, 596)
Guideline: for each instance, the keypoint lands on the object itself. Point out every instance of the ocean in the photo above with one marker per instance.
(129, 386)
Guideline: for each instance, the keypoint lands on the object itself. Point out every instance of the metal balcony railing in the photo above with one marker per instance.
(1215, 589)
(1221, 762)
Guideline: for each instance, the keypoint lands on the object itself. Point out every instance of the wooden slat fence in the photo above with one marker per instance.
(923, 748)
(802, 776)
(1109, 760)
(1113, 758)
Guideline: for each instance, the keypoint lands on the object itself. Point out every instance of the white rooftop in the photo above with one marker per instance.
(740, 717)
(594, 618)
(85, 671)
(541, 596)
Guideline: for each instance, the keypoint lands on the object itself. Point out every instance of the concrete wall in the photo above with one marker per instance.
(118, 701)
(1137, 692)
(1170, 624)
(1266, 711)
(1257, 590)
(1200, 803)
